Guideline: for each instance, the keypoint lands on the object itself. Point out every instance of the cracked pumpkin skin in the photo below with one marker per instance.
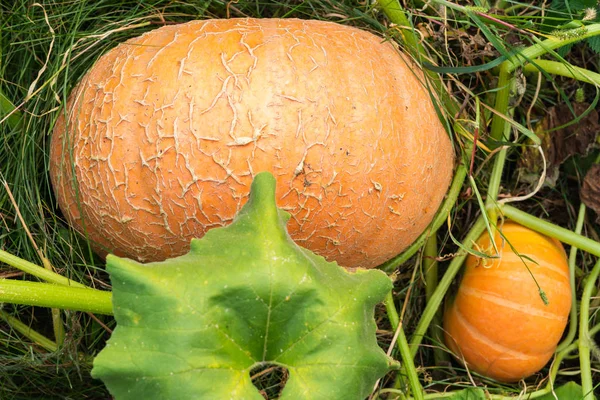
(498, 322)
(165, 132)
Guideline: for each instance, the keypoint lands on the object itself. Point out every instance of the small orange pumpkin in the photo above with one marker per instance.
(498, 323)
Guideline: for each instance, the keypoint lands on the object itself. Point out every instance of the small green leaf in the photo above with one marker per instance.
(570, 391)
(246, 295)
(466, 394)
(15, 120)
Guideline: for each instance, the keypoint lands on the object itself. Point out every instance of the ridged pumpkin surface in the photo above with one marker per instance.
(498, 322)
(166, 131)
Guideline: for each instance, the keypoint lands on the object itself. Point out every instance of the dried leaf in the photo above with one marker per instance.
(590, 191)
(575, 139)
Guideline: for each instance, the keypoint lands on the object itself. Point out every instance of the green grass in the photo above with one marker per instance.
(45, 49)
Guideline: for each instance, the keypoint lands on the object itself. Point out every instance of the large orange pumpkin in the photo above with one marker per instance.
(165, 132)
(498, 323)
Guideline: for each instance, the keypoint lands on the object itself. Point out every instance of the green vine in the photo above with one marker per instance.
(572, 258)
(587, 385)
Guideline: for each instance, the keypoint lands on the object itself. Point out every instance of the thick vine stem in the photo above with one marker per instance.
(587, 384)
(572, 258)
(402, 344)
(549, 229)
(562, 69)
(438, 295)
(393, 10)
(55, 296)
(506, 81)
(430, 265)
(493, 189)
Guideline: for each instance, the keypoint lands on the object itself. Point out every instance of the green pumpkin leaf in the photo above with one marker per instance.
(193, 327)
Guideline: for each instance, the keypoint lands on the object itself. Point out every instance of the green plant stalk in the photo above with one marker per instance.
(430, 265)
(55, 296)
(569, 71)
(394, 318)
(530, 53)
(391, 311)
(58, 327)
(409, 367)
(57, 323)
(549, 229)
(496, 179)
(572, 258)
(554, 367)
(28, 332)
(393, 10)
(587, 384)
(506, 82)
(502, 5)
(36, 270)
(438, 295)
(489, 223)
(402, 344)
